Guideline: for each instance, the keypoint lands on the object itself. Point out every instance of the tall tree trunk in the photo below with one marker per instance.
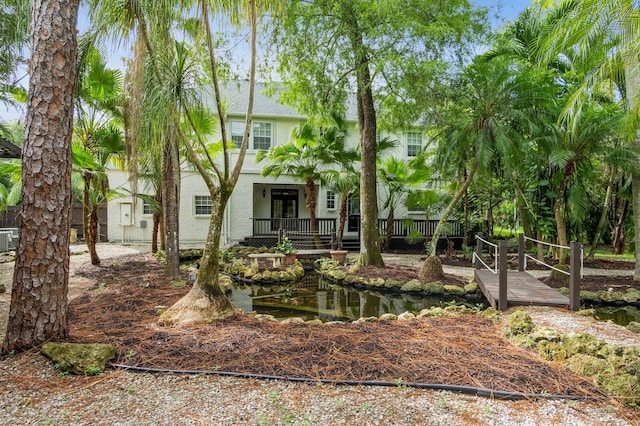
(38, 310)
(171, 204)
(603, 216)
(618, 234)
(632, 83)
(465, 235)
(370, 253)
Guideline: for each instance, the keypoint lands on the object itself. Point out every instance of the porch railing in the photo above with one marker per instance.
(271, 226)
(401, 227)
(404, 227)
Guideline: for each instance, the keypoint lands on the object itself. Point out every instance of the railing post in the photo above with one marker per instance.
(574, 277)
(502, 277)
(280, 235)
(521, 252)
(479, 249)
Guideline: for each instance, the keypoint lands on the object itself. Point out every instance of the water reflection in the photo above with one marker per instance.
(621, 315)
(314, 298)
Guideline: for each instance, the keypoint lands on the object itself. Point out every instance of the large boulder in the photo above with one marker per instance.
(81, 359)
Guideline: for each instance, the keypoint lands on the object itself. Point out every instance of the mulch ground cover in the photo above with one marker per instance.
(122, 309)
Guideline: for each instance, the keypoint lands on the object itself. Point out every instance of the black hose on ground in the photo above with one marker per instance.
(470, 390)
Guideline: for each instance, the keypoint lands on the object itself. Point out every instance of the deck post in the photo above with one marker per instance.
(478, 249)
(574, 277)
(502, 276)
(521, 252)
(280, 235)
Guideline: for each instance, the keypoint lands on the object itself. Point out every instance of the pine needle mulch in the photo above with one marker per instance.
(464, 350)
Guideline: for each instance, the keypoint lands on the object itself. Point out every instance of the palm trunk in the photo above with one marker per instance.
(343, 219)
(92, 237)
(618, 234)
(171, 203)
(389, 230)
(310, 201)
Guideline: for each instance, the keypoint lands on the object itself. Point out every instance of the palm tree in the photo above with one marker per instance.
(310, 156)
(98, 138)
(586, 26)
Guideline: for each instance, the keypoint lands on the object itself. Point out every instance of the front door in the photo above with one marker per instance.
(353, 224)
(284, 208)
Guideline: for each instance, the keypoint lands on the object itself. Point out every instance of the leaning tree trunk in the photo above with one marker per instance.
(38, 310)
(206, 301)
(343, 220)
(447, 212)
(603, 217)
(92, 238)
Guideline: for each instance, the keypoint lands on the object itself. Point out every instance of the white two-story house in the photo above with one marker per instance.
(259, 205)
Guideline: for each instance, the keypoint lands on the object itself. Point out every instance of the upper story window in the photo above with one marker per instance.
(331, 200)
(203, 205)
(262, 135)
(237, 131)
(146, 209)
(413, 142)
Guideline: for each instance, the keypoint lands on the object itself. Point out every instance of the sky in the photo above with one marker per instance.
(502, 11)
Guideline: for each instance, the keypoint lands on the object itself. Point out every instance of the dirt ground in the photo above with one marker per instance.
(119, 303)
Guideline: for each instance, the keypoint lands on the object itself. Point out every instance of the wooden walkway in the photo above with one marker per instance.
(522, 289)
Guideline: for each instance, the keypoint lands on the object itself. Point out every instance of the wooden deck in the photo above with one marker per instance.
(522, 289)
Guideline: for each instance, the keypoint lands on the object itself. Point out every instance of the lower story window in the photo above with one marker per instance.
(203, 205)
(331, 200)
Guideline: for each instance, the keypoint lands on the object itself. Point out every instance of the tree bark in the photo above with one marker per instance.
(561, 225)
(603, 216)
(449, 209)
(632, 83)
(171, 204)
(310, 202)
(38, 310)
(370, 253)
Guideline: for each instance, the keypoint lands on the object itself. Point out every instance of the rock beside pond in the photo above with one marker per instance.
(471, 288)
(518, 322)
(631, 295)
(413, 286)
(431, 270)
(634, 327)
(545, 333)
(454, 289)
(434, 288)
(81, 359)
(406, 316)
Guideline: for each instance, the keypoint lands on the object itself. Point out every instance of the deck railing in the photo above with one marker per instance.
(262, 227)
(404, 227)
(401, 227)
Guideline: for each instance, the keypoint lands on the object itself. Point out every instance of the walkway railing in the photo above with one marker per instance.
(576, 265)
(477, 255)
(500, 267)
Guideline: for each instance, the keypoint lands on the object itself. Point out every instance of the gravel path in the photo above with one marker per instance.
(31, 392)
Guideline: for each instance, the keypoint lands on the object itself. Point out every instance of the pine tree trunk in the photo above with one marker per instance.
(38, 310)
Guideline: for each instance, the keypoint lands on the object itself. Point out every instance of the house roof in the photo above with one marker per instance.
(237, 92)
(9, 150)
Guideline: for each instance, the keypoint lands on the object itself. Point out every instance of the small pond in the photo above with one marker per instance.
(315, 298)
(621, 315)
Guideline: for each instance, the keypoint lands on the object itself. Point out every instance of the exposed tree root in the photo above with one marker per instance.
(196, 307)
